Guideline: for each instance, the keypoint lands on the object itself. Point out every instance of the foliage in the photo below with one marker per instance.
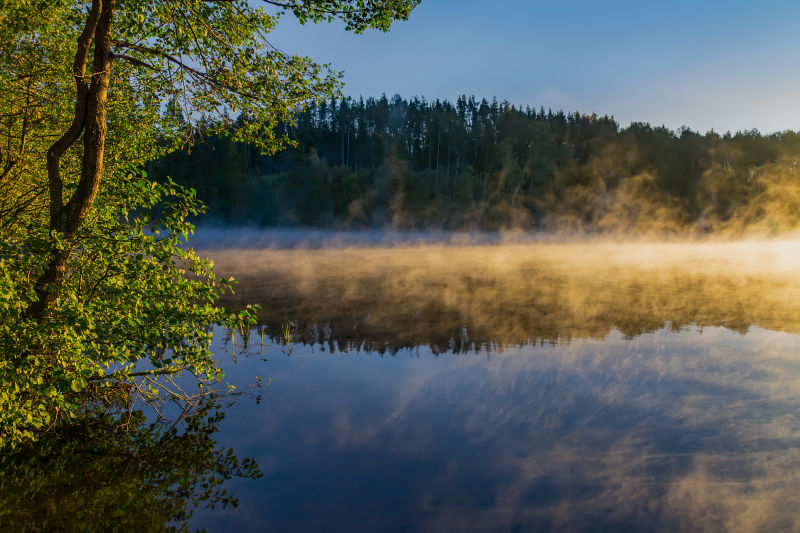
(119, 473)
(134, 294)
(97, 288)
(488, 165)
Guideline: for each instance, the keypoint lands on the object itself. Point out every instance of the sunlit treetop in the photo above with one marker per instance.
(133, 79)
(358, 15)
(208, 60)
(89, 91)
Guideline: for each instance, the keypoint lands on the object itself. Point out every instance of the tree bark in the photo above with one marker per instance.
(90, 119)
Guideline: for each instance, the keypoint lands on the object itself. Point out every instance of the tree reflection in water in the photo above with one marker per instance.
(467, 298)
(121, 473)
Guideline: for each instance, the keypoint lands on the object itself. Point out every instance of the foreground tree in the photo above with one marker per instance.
(91, 282)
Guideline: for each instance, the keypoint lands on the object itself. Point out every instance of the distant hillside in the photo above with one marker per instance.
(414, 164)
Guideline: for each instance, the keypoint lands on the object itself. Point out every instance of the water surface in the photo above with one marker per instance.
(520, 387)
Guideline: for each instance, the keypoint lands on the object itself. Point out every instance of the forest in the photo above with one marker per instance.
(489, 165)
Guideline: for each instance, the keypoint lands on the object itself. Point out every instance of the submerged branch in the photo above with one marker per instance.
(155, 372)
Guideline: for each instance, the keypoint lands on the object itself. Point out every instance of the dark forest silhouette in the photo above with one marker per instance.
(417, 164)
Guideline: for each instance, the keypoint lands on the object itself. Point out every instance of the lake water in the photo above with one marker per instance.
(515, 387)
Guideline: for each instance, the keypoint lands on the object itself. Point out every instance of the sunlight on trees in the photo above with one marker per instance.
(97, 289)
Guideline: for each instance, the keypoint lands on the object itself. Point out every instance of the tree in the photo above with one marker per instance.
(93, 274)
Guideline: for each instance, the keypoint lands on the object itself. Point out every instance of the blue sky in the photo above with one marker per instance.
(731, 65)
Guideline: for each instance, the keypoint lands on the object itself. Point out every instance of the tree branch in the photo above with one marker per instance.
(55, 269)
(134, 61)
(94, 136)
(69, 137)
(89, 119)
(156, 372)
(316, 10)
(159, 53)
(198, 75)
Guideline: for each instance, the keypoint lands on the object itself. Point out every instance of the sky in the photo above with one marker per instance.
(726, 66)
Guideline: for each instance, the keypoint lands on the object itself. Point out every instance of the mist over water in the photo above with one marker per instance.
(463, 291)
(439, 383)
(225, 237)
(215, 238)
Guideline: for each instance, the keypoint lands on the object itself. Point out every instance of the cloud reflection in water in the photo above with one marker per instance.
(616, 422)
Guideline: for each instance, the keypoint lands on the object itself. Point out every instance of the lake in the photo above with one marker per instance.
(514, 386)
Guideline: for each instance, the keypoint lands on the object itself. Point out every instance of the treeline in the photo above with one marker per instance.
(417, 164)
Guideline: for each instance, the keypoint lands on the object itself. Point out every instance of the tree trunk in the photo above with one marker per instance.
(90, 119)
(436, 178)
